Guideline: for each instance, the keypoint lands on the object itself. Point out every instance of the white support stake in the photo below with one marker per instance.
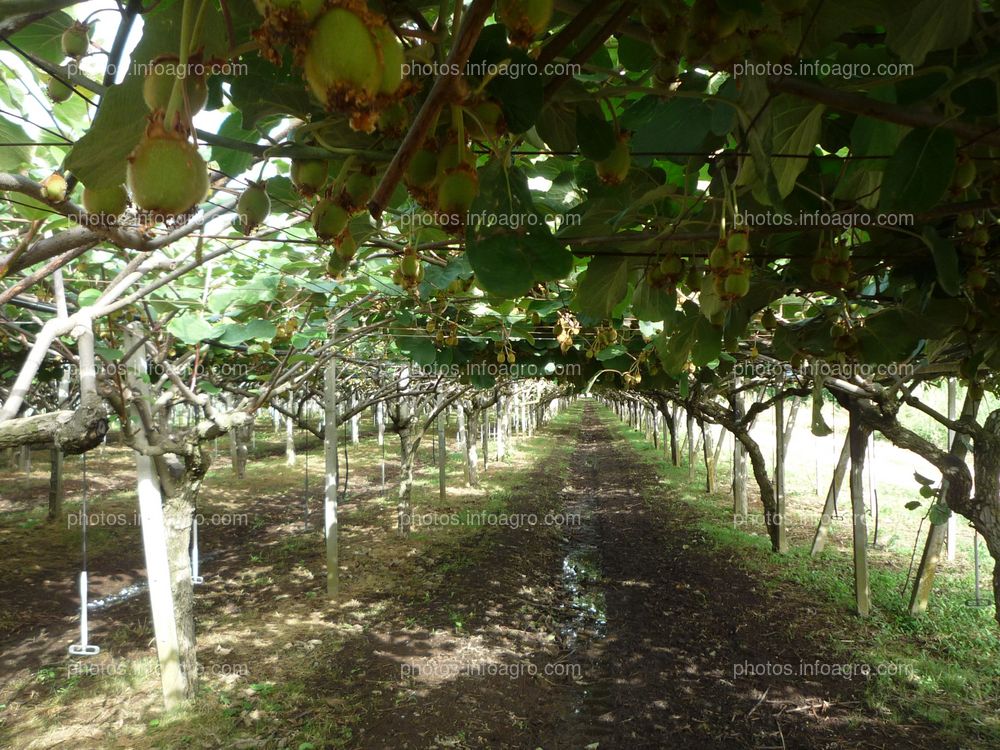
(195, 577)
(331, 481)
(161, 599)
(83, 648)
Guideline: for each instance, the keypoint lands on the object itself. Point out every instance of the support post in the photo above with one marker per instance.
(740, 503)
(779, 474)
(927, 569)
(952, 520)
(290, 433)
(709, 456)
(858, 438)
(154, 545)
(442, 457)
(332, 480)
(161, 600)
(690, 444)
(823, 527)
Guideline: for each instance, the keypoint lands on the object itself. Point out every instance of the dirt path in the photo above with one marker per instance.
(635, 633)
(685, 627)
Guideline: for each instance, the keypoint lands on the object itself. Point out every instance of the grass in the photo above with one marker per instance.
(947, 661)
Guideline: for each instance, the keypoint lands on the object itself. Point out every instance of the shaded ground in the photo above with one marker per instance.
(606, 620)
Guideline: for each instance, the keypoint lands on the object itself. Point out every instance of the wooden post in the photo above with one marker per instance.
(442, 457)
(154, 545)
(471, 448)
(790, 425)
(332, 481)
(924, 580)
(952, 520)
(486, 439)
(740, 504)
(355, 420)
(858, 438)
(380, 422)
(690, 444)
(823, 528)
(290, 433)
(709, 456)
(779, 474)
(56, 489)
(55, 484)
(161, 599)
(503, 407)
(719, 446)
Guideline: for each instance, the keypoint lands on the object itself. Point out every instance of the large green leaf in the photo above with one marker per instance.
(916, 28)
(421, 350)
(596, 135)
(674, 349)
(869, 137)
(261, 89)
(795, 129)
(518, 87)
(231, 161)
(653, 304)
(945, 260)
(501, 266)
(635, 55)
(44, 36)
(889, 336)
(192, 328)
(13, 157)
(707, 344)
(679, 126)
(919, 172)
(603, 286)
(508, 244)
(521, 96)
(556, 126)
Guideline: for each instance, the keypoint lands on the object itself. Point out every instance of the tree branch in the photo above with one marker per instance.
(863, 105)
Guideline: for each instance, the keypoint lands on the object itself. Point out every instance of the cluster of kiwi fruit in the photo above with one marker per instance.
(729, 267)
(351, 58)
(710, 32)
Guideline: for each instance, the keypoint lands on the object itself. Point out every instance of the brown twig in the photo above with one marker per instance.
(571, 31)
(21, 248)
(42, 273)
(595, 43)
(435, 101)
